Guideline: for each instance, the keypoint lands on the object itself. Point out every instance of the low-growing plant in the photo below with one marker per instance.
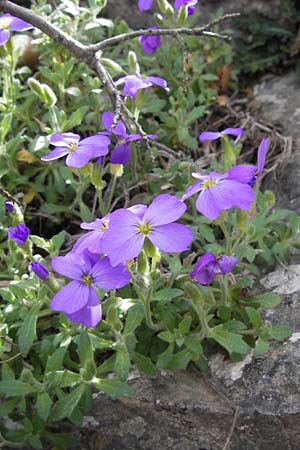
(137, 288)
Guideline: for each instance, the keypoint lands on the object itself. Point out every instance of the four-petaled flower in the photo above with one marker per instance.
(19, 233)
(121, 152)
(127, 231)
(79, 298)
(134, 82)
(212, 135)
(79, 151)
(150, 43)
(10, 23)
(189, 3)
(218, 193)
(209, 266)
(244, 173)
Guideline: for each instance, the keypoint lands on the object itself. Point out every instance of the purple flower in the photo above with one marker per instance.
(218, 193)
(208, 266)
(10, 23)
(9, 206)
(150, 43)
(79, 152)
(19, 233)
(127, 231)
(92, 241)
(134, 82)
(40, 270)
(212, 135)
(245, 173)
(189, 3)
(144, 5)
(121, 153)
(79, 299)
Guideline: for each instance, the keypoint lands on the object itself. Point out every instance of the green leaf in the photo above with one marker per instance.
(63, 378)
(35, 442)
(197, 112)
(7, 372)
(164, 358)
(144, 364)
(281, 332)
(254, 316)
(55, 361)
(122, 363)
(75, 119)
(193, 344)
(185, 324)
(261, 346)
(85, 349)
(66, 405)
(16, 388)
(166, 336)
(7, 407)
(180, 360)
(267, 300)
(134, 318)
(27, 332)
(167, 295)
(232, 342)
(62, 440)
(43, 405)
(114, 388)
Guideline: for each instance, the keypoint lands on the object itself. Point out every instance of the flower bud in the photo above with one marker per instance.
(9, 206)
(40, 270)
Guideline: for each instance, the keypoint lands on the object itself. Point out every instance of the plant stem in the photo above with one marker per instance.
(227, 238)
(113, 187)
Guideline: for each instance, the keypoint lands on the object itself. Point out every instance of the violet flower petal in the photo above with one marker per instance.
(144, 5)
(4, 36)
(122, 241)
(164, 209)
(227, 263)
(71, 298)
(172, 237)
(159, 82)
(242, 173)
(209, 136)
(58, 152)
(261, 154)
(233, 131)
(91, 314)
(191, 190)
(64, 139)
(68, 266)
(120, 154)
(108, 277)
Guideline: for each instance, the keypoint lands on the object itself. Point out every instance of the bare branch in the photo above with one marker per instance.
(164, 32)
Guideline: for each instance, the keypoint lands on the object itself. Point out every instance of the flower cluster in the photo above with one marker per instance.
(209, 266)
(121, 152)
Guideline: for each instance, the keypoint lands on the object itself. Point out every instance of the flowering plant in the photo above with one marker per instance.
(142, 274)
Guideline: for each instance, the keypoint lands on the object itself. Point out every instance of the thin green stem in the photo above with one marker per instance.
(227, 238)
(113, 187)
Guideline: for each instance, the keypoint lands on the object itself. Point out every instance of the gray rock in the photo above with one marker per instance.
(277, 100)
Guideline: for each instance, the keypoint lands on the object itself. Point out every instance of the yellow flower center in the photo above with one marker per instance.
(87, 279)
(4, 26)
(104, 226)
(208, 183)
(144, 228)
(72, 147)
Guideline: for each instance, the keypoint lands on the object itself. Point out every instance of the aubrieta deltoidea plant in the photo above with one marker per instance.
(158, 278)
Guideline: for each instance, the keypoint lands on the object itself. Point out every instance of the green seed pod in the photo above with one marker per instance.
(133, 63)
(150, 249)
(143, 265)
(242, 220)
(270, 199)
